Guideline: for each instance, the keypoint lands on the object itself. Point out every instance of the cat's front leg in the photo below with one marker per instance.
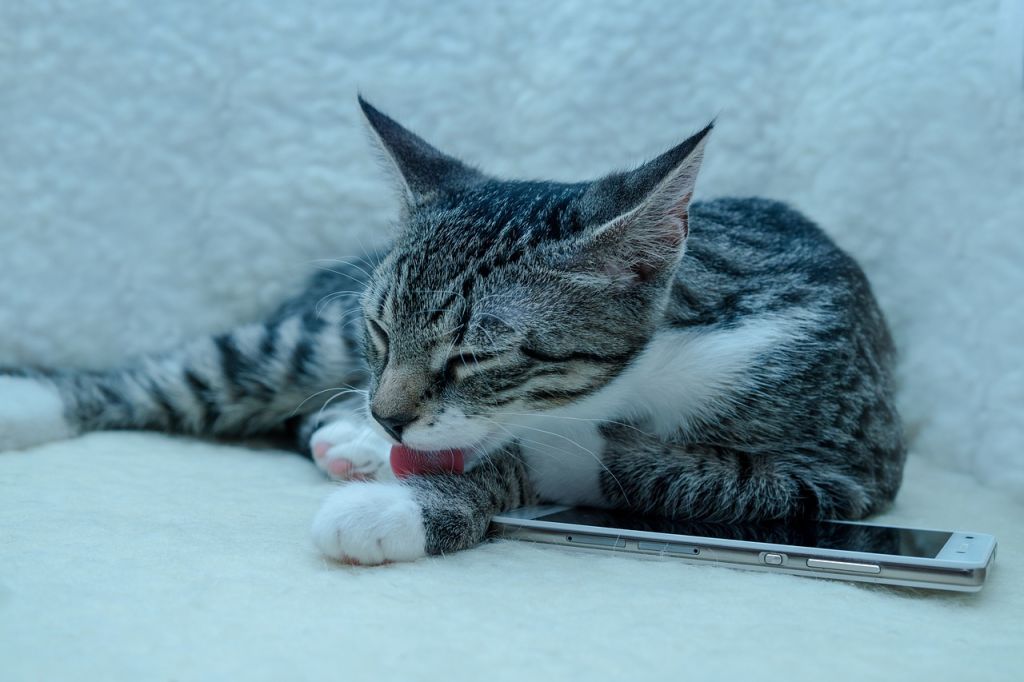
(724, 483)
(374, 523)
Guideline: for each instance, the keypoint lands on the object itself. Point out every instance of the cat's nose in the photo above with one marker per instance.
(394, 424)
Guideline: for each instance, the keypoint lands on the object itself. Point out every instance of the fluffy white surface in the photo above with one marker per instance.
(131, 557)
(171, 168)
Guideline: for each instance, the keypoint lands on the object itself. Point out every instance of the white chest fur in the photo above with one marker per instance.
(680, 376)
(564, 459)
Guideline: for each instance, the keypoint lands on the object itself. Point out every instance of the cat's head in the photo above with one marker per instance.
(506, 298)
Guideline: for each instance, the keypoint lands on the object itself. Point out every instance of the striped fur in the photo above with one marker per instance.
(251, 380)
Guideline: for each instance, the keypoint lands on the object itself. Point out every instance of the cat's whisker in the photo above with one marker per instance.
(343, 262)
(451, 347)
(569, 440)
(513, 437)
(348, 316)
(299, 406)
(362, 283)
(345, 316)
(322, 303)
(343, 274)
(476, 360)
(345, 388)
(372, 258)
(544, 415)
(590, 452)
(334, 397)
(546, 449)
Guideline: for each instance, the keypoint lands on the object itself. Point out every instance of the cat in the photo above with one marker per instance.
(604, 343)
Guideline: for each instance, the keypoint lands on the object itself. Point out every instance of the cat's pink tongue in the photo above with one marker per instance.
(406, 462)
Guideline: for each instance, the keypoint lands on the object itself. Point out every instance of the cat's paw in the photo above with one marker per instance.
(349, 450)
(371, 523)
(31, 413)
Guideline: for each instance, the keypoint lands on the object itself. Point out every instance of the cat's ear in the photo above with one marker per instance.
(638, 221)
(422, 170)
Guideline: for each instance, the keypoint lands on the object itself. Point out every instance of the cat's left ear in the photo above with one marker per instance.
(639, 220)
(423, 170)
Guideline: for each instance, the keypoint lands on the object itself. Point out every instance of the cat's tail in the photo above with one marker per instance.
(250, 380)
(31, 412)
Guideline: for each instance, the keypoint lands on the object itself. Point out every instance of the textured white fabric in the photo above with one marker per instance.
(131, 557)
(171, 168)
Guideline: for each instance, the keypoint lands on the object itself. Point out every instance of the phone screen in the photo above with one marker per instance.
(822, 534)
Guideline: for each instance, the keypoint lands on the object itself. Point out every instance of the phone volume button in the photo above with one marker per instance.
(843, 566)
(595, 540)
(668, 548)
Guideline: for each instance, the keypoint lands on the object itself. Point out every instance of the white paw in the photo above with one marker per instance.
(31, 412)
(371, 523)
(348, 450)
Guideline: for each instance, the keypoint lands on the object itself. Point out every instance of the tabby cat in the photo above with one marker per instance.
(604, 343)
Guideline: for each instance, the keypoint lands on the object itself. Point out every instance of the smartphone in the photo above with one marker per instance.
(843, 550)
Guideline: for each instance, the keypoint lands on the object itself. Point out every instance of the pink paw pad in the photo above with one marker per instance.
(320, 449)
(341, 468)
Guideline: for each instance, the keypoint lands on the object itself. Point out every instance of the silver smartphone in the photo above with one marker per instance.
(909, 557)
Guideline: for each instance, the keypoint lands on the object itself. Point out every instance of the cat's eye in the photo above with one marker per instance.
(460, 361)
(379, 336)
(463, 364)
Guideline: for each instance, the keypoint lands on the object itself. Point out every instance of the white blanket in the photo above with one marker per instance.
(137, 557)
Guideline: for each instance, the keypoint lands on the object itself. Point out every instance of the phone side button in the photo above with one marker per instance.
(773, 558)
(844, 566)
(596, 540)
(668, 548)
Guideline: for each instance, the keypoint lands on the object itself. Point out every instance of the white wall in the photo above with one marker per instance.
(171, 168)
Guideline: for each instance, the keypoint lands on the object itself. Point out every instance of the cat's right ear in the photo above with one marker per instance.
(423, 171)
(639, 220)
